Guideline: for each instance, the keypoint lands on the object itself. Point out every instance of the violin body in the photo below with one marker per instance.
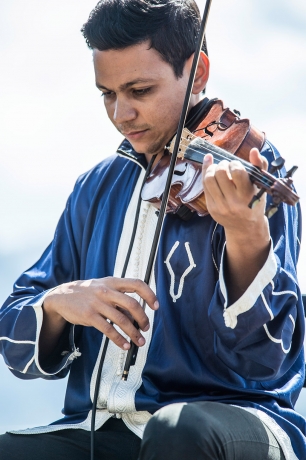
(224, 134)
(224, 128)
(186, 186)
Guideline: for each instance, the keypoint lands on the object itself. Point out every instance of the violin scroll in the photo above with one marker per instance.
(281, 190)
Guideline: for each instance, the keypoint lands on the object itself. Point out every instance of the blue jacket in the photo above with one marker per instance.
(248, 354)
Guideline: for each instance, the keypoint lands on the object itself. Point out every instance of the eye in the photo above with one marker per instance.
(107, 93)
(142, 91)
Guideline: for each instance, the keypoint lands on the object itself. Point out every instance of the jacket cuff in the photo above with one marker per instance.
(65, 351)
(249, 297)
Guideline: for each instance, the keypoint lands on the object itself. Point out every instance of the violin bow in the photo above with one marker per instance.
(132, 353)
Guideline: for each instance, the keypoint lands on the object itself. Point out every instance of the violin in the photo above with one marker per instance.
(226, 136)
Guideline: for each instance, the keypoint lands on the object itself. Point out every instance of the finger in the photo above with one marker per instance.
(258, 160)
(131, 285)
(218, 182)
(240, 178)
(208, 160)
(108, 329)
(125, 324)
(210, 185)
(224, 176)
(128, 303)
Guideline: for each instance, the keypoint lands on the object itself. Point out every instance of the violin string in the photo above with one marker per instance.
(251, 171)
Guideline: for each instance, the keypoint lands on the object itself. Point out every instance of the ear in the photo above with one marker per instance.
(202, 72)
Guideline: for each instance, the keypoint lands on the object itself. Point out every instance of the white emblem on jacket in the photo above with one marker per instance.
(172, 274)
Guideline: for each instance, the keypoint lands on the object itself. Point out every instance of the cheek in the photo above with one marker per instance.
(173, 107)
(169, 109)
(171, 115)
(109, 110)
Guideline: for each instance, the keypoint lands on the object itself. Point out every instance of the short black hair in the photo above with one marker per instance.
(171, 26)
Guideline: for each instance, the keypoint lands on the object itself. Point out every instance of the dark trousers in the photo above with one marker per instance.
(207, 431)
(202, 430)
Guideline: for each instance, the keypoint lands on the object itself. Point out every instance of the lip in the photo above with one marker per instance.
(135, 134)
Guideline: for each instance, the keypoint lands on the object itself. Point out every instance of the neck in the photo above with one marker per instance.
(158, 157)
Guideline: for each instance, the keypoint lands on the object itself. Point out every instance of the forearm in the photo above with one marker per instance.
(246, 252)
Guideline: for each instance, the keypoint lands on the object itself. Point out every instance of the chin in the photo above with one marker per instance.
(137, 147)
(141, 147)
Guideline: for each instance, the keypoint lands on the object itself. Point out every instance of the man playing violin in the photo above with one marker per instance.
(220, 360)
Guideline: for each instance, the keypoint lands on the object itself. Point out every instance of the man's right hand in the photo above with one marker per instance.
(92, 303)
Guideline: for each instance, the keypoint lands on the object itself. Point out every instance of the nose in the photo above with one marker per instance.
(124, 111)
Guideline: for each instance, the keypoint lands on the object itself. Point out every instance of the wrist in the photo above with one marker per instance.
(251, 237)
(50, 310)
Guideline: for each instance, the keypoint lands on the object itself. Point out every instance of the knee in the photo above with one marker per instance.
(175, 431)
(168, 423)
(161, 433)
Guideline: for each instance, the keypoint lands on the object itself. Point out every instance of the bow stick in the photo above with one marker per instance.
(132, 353)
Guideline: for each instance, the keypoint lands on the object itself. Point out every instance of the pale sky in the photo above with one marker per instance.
(53, 127)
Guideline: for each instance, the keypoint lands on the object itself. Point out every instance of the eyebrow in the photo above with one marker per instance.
(128, 84)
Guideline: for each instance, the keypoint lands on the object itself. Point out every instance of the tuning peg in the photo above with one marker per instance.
(277, 164)
(256, 198)
(291, 172)
(276, 200)
(271, 210)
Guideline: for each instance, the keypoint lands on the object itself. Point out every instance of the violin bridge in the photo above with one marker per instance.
(186, 138)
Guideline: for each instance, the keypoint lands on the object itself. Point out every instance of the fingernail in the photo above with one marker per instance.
(141, 341)
(156, 304)
(126, 346)
(145, 329)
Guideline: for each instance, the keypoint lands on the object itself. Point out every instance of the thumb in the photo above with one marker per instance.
(258, 160)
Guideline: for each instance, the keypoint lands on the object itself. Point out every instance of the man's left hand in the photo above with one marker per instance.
(228, 191)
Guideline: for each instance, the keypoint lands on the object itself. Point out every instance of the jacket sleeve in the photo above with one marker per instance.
(260, 336)
(21, 315)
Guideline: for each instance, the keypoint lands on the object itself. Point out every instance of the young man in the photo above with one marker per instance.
(220, 361)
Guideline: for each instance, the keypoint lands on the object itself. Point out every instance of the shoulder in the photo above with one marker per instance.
(269, 151)
(101, 177)
(285, 225)
(111, 168)
(103, 184)
(91, 179)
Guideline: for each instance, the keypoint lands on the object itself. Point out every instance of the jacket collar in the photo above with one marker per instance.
(126, 150)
